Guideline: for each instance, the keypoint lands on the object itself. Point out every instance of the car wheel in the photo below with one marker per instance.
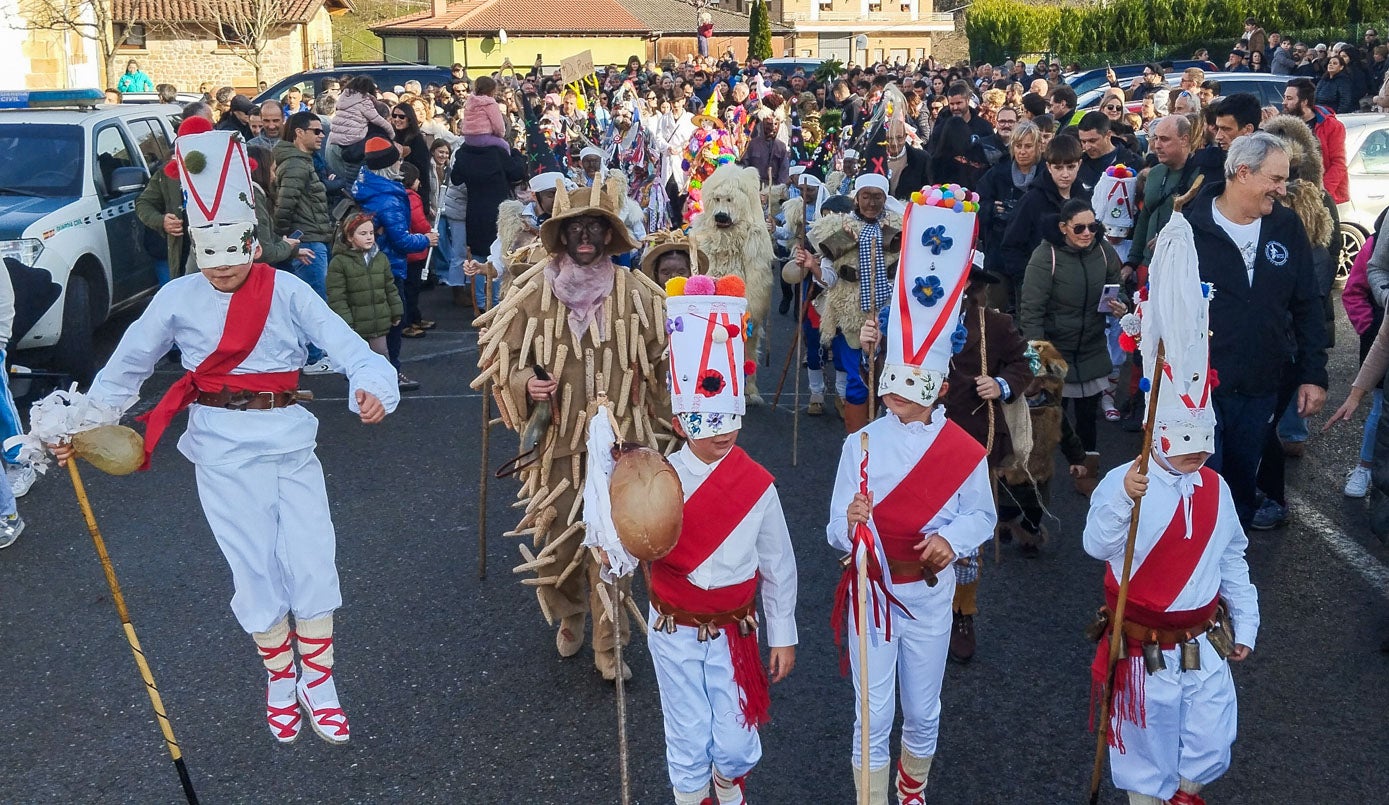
(75, 351)
(1352, 240)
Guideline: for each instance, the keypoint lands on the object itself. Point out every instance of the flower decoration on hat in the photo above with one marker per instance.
(675, 324)
(195, 161)
(928, 290)
(936, 240)
(710, 383)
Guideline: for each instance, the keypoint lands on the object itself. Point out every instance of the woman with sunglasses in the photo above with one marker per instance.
(1063, 301)
(413, 148)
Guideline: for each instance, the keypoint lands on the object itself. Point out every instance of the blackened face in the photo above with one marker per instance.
(586, 238)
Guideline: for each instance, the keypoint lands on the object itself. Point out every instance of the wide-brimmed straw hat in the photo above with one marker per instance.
(673, 240)
(604, 200)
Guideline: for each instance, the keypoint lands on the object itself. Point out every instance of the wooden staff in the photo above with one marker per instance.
(862, 624)
(796, 346)
(989, 443)
(1116, 625)
(119, 600)
(486, 443)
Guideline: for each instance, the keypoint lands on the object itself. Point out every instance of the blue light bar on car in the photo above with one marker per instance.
(50, 98)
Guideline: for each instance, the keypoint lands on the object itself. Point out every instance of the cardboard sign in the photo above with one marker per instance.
(576, 67)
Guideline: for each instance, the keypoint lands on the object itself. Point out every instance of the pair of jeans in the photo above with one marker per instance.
(1291, 427)
(1242, 423)
(850, 360)
(1367, 442)
(453, 246)
(480, 287)
(315, 273)
(410, 299)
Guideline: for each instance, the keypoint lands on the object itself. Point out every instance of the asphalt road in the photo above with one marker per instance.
(455, 692)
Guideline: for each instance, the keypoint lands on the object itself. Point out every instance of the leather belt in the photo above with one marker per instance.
(1139, 633)
(252, 400)
(710, 625)
(908, 572)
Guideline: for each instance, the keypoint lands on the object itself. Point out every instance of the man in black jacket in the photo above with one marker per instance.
(1101, 151)
(1264, 308)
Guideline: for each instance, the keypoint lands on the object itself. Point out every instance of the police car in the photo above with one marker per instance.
(71, 170)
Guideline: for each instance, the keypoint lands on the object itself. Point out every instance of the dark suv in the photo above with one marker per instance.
(386, 76)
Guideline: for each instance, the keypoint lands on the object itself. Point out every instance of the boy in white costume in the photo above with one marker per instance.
(703, 635)
(928, 502)
(243, 329)
(1191, 606)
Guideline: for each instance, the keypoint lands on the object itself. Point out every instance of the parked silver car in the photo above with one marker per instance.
(1367, 162)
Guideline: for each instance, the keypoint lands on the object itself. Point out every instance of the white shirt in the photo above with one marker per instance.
(760, 543)
(1222, 568)
(1245, 237)
(190, 313)
(966, 520)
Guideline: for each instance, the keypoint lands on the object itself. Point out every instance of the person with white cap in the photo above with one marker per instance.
(928, 501)
(1190, 607)
(594, 164)
(857, 251)
(715, 692)
(243, 330)
(798, 214)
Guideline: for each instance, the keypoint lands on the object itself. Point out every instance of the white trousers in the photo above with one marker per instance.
(270, 517)
(699, 702)
(1192, 718)
(912, 664)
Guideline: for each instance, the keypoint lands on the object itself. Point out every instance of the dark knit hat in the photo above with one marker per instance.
(381, 153)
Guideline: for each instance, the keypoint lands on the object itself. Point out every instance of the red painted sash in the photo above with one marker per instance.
(901, 517)
(246, 316)
(1169, 565)
(718, 506)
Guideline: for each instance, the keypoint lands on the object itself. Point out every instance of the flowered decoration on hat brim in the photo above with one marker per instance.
(935, 239)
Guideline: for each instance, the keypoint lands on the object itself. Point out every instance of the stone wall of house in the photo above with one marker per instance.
(189, 56)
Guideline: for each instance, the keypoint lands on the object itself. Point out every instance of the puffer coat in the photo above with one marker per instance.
(1060, 301)
(362, 291)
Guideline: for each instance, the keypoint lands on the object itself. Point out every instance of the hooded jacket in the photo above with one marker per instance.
(1256, 330)
(997, 186)
(1026, 229)
(387, 201)
(361, 289)
(301, 201)
(1060, 300)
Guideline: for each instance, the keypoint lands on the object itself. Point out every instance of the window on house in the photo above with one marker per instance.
(422, 49)
(230, 35)
(826, 5)
(130, 37)
(877, 55)
(906, 6)
(875, 6)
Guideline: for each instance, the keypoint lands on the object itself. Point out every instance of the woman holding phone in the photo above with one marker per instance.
(1061, 296)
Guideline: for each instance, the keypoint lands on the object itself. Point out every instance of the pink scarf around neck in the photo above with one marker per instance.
(582, 289)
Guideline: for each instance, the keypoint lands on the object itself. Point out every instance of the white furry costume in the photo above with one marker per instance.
(835, 236)
(742, 247)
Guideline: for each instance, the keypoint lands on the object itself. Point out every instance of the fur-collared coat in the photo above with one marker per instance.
(1049, 430)
(835, 237)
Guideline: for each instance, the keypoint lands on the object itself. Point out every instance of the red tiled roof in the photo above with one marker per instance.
(532, 17)
(175, 11)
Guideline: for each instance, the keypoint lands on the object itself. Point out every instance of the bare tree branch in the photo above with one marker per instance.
(93, 20)
(245, 28)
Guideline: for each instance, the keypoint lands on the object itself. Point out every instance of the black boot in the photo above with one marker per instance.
(962, 642)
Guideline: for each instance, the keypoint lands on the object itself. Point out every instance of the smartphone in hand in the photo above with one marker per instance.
(297, 234)
(1110, 294)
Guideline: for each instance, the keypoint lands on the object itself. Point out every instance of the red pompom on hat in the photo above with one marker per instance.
(194, 125)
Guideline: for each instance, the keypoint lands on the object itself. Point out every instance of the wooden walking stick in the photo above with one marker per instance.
(785, 370)
(861, 622)
(623, 767)
(1116, 625)
(119, 600)
(872, 311)
(989, 444)
(796, 345)
(486, 443)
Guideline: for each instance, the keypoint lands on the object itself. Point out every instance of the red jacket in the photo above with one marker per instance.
(1332, 136)
(419, 225)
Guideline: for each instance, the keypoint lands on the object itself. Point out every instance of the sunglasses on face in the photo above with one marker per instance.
(1080, 229)
(399, 116)
(315, 132)
(1112, 107)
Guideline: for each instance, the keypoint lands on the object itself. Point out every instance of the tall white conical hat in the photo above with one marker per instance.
(221, 206)
(707, 326)
(938, 235)
(1176, 313)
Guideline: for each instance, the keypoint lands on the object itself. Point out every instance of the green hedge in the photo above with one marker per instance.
(998, 29)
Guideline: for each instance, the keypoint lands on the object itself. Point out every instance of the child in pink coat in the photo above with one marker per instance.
(482, 117)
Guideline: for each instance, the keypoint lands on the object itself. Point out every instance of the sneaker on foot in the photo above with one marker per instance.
(406, 384)
(22, 477)
(1111, 412)
(817, 405)
(319, 367)
(1269, 516)
(1357, 482)
(11, 526)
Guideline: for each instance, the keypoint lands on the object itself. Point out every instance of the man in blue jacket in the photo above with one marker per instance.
(1266, 316)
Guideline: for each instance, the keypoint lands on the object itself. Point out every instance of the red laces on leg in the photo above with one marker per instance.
(322, 644)
(284, 721)
(268, 654)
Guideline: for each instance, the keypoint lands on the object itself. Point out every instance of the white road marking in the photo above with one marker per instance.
(1350, 551)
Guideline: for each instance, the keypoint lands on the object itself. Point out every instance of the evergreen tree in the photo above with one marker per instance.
(759, 31)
